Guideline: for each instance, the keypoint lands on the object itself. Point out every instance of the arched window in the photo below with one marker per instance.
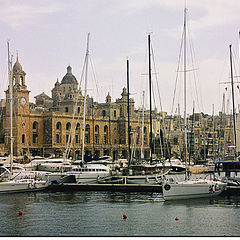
(21, 79)
(35, 125)
(137, 135)
(105, 128)
(68, 126)
(23, 138)
(78, 127)
(105, 137)
(97, 129)
(58, 126)
(104, 113)
(145, 135)
(87, 133)
(96, 137)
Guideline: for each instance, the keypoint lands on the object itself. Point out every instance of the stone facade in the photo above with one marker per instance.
(53, 124)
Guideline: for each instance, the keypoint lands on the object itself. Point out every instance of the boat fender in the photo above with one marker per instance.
(167, 187)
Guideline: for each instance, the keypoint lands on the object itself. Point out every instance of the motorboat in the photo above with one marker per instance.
(11, 185)
(88, 173)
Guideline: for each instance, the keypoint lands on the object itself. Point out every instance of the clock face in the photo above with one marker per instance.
(23, 101)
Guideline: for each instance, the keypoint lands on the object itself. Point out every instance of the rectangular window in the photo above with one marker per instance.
(23, 138)
(67, 137)
(57, 138)
(76, 139)
(35, 136)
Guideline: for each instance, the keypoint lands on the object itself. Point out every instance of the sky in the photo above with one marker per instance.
(49, 35)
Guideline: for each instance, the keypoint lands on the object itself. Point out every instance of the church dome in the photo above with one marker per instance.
(69, 78)
(17, 66)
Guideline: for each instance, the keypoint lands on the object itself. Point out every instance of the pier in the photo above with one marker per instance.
(230, 190)
(106, 187)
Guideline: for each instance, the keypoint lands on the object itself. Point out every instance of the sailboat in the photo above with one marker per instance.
(8, 183)
(190, 188)
(152, 174)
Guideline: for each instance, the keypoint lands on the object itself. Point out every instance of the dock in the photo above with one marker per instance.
(106, 187)
(68, 187)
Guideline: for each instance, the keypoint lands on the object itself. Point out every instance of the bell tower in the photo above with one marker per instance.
(20, 92)
(20, 110)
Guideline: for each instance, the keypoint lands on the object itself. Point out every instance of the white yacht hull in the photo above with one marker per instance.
(23, 185)
(192, 189)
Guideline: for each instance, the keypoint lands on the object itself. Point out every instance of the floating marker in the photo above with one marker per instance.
(124, 216)
(176, 218)
(20, 213)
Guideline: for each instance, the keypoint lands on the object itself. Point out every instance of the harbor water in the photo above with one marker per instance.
(101, 214)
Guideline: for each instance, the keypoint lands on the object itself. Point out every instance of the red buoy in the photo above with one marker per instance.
(20, 213)
(124, 216)
(176, 218)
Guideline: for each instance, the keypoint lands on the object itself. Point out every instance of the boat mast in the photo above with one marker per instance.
(233, 102)
(185, 89)
(150, 93)
(142, 155)
(128, 111)
(10, 106)
(85, 96)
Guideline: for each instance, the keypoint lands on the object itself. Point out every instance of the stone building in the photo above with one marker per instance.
(53, 124)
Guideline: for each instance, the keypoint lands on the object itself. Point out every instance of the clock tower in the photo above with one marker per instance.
(20, 109)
